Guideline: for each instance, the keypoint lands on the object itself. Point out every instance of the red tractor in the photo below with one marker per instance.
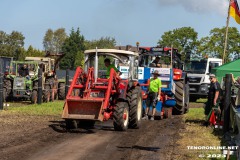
(92, 98)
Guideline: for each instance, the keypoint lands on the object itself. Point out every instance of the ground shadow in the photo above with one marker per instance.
(198, 121)
(60, 126)
(153, 149)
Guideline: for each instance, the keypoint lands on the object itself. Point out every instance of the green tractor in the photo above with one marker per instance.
(22, 81)
(52, 84)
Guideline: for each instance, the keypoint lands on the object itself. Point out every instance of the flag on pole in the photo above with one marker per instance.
(234, 11)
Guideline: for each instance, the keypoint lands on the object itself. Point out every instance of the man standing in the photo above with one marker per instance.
(154, 94)
(213, 95)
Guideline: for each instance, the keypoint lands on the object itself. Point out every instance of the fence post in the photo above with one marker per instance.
(1, 85)
(39, 99)
(227, 102)
(67, 82)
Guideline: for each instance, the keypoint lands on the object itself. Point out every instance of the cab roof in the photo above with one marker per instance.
(111, 51)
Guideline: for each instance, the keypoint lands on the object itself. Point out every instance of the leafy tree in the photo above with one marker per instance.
(73, 47)
(53, 40)
(213, 45)
(11, 44)
(184, 39)
(103, 42)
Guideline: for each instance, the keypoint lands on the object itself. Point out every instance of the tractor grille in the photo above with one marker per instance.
(194, 79)
(19, 83)
(194, 88)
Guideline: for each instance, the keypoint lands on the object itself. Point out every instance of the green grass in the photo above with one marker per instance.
(202, 100)
(195, 134)
(46, 109)
(195, 114)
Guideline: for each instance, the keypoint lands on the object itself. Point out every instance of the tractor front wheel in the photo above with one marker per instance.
(61, 91)
(134, 97)
(46, 94)
(121, 116)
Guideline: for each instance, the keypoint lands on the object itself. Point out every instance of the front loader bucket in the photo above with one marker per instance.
(83, 109)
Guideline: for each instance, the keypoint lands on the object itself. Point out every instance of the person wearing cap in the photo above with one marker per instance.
(109, 66)
(213, 95)
(154, 94)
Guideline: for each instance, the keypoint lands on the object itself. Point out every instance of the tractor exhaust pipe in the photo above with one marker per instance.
(96, 66)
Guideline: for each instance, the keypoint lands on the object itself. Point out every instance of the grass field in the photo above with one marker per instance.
(196, 134)
(46, 109)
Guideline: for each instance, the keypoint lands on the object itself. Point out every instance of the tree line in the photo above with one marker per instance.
(74, 44)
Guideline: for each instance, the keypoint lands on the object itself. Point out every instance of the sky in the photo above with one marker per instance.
(128, 21)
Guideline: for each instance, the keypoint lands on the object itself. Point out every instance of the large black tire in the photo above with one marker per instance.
(46, 93)
(71, 124)
(61, 91)
(34, 97)
(180, 97)
(134, 97)
(121, 116)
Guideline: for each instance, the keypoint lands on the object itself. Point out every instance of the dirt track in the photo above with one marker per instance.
(37, 138)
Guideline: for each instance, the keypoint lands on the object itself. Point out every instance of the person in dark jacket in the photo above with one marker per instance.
(24, 72)
(213, 95)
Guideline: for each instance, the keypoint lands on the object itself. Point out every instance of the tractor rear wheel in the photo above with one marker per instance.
(121, 116)
(71, 124)
(61, 91)
(46, 93)
(134, 97)
(34, 97)
(180, 97)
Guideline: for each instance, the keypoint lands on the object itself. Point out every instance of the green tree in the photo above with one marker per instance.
(213, 45)
(184, 39)
(3, 44)
(53, 40)
(11, 44)
(103, 42)
(73, 47)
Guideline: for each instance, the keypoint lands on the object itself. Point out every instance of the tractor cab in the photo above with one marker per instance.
(94, 97)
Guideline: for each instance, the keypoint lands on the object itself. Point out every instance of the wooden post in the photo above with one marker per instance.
(39, 99)
(226, 34)
(67, 82)
(227, 102)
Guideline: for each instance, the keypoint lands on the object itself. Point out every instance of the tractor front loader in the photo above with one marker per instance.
(91, 99)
